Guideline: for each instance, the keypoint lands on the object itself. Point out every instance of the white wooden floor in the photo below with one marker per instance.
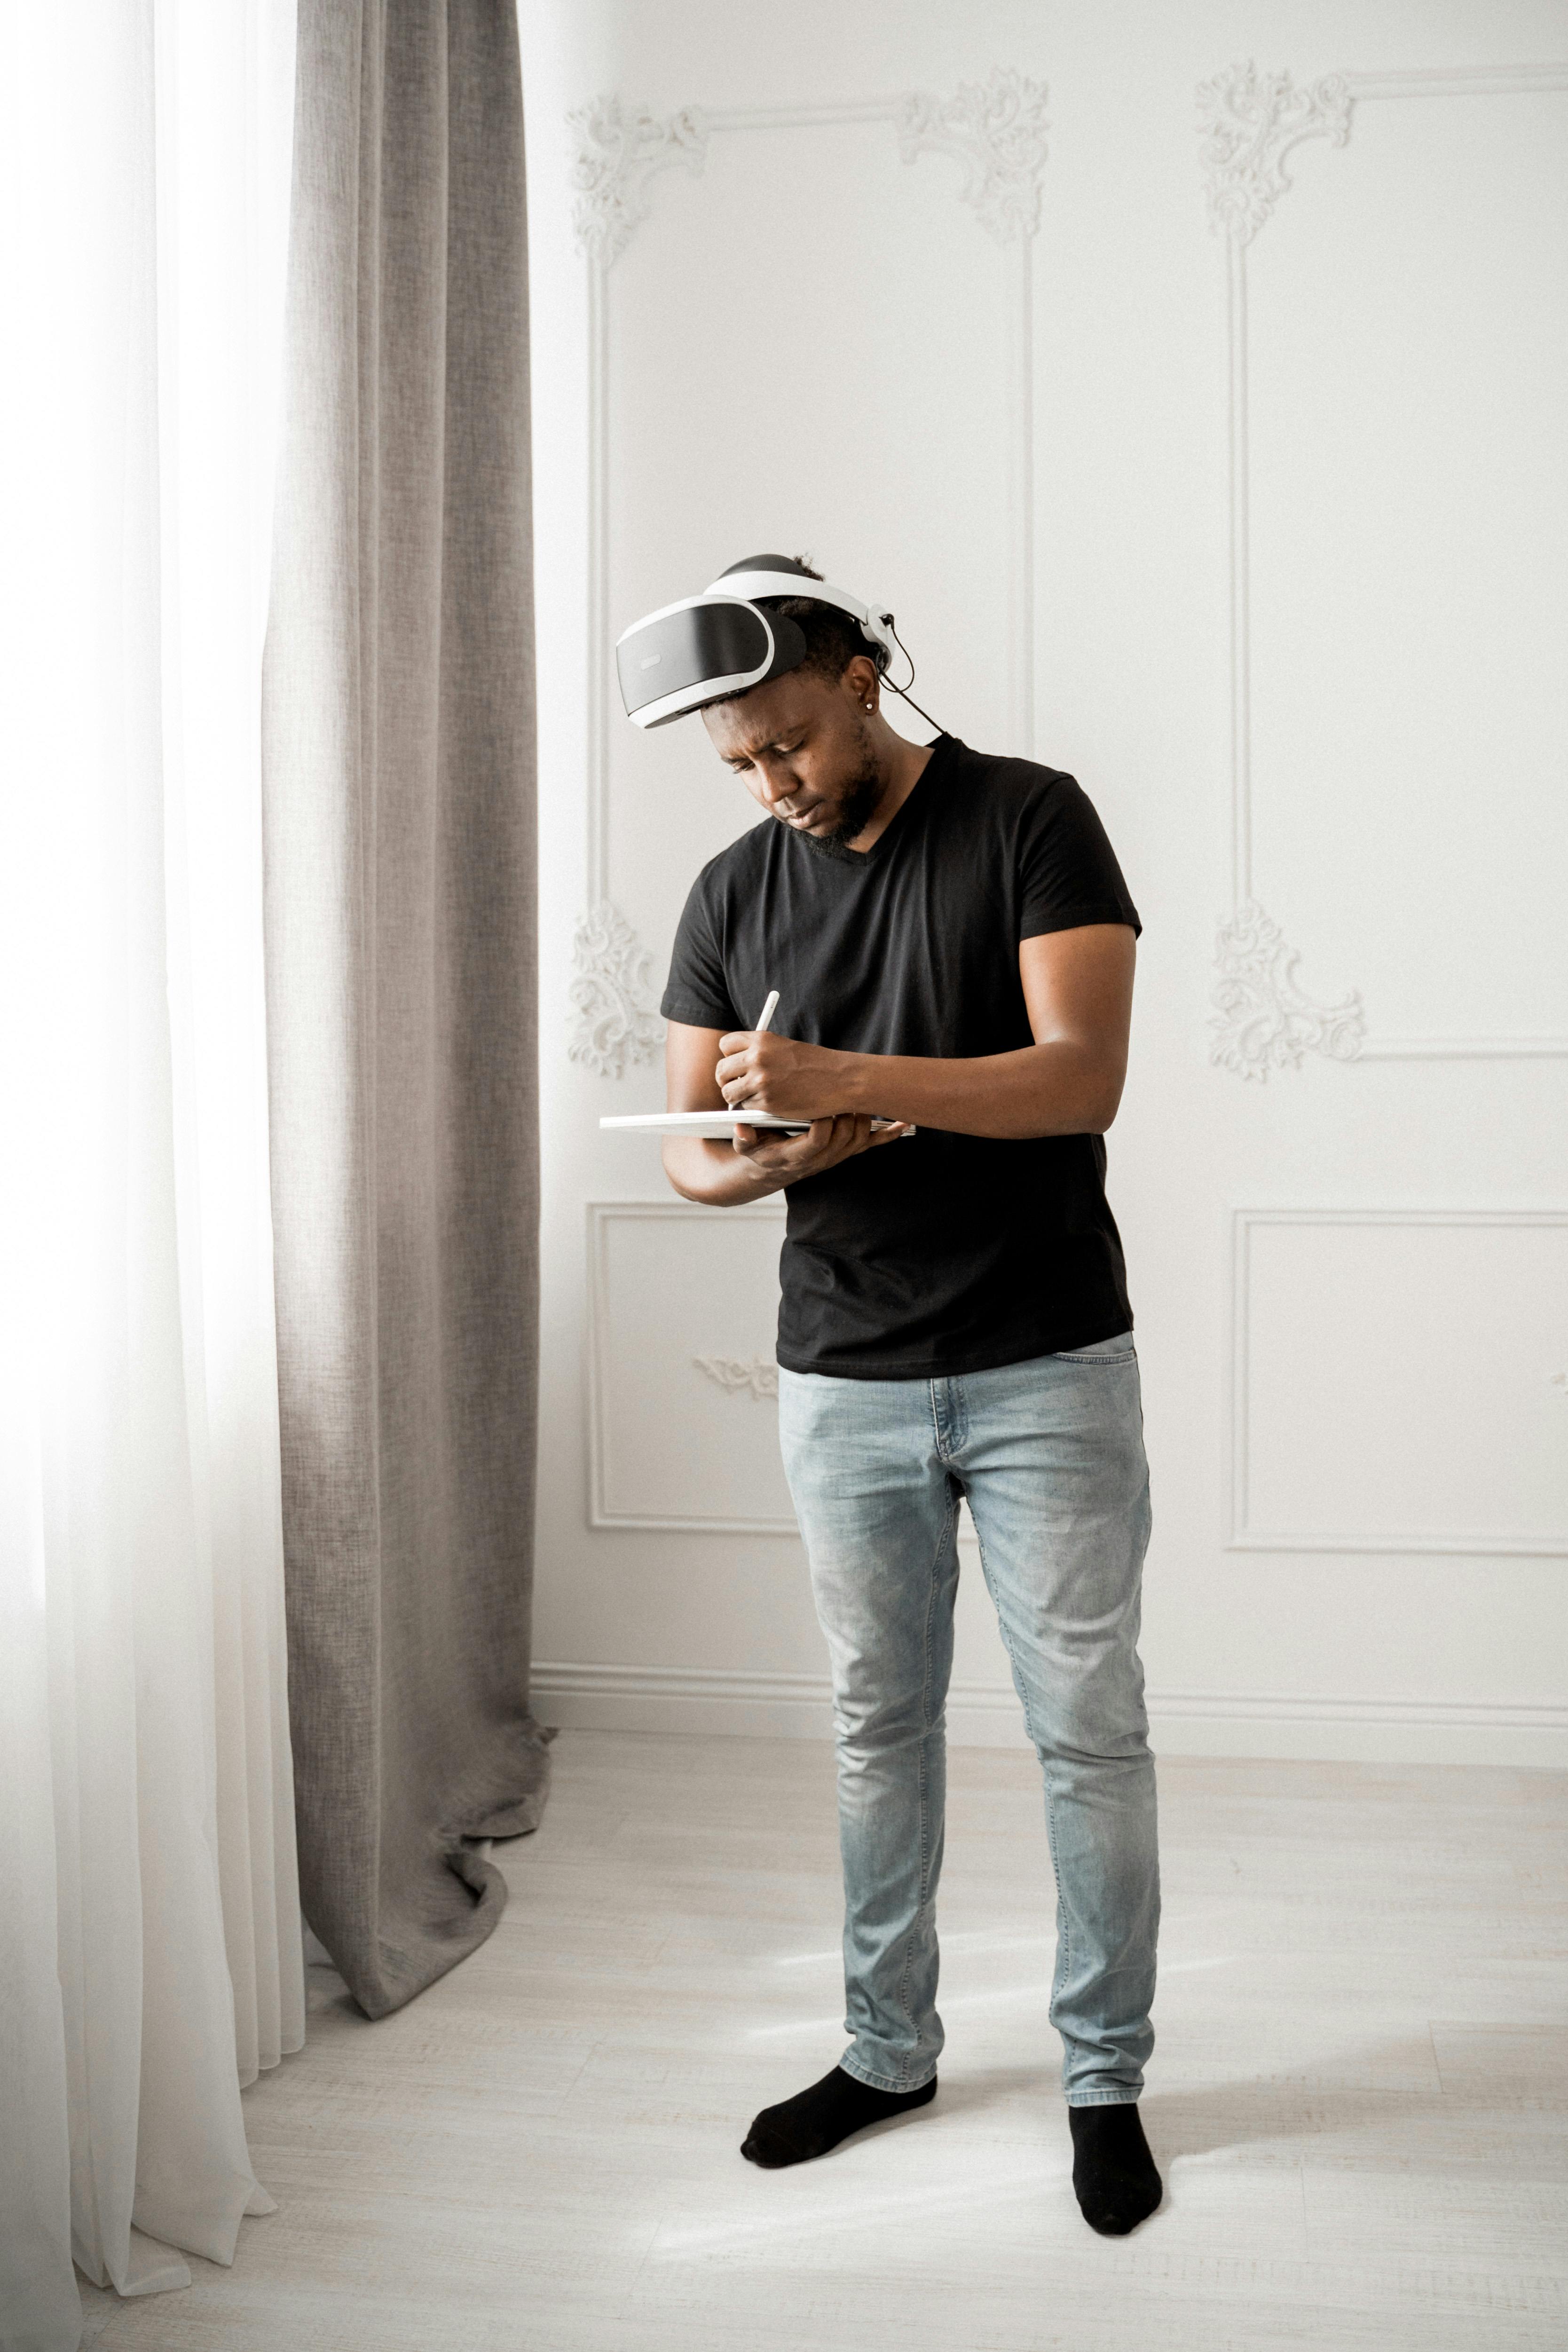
(1357, 2098)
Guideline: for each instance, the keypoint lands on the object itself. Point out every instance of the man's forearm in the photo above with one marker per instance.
(1060, 1088)
(715, 1173)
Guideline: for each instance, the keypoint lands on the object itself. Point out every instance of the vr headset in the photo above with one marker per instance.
(689, 654)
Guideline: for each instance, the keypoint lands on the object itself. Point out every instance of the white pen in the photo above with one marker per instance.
(768, 1010)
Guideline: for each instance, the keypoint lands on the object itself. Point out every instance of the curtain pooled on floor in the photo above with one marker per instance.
(399, 826)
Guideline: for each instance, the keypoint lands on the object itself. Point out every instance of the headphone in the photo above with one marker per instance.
(720, 643)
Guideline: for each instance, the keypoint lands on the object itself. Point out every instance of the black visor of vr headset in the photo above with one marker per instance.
(722, 642)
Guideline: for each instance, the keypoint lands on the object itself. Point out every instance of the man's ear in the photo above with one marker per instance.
(859, 679)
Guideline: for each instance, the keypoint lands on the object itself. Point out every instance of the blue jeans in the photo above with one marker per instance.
(1049, 1455)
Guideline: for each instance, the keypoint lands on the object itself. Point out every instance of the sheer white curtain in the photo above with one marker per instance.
(150, 1934)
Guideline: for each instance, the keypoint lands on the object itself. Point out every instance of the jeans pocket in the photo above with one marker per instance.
(1118, 1349)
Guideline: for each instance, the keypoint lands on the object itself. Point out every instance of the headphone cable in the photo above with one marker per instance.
(902, 691)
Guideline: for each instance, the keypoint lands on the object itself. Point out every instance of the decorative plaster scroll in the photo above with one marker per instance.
(1250, 122)
(620, 148)
(997, 130)
(616, 1023)
(757, 1377)
(1264, 1023)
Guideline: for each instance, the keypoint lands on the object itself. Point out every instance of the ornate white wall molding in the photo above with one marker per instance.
(620, 148)
(613, 973)
(1250, 123)
(1242, 1534)
(1264, 1023)
(753, 1376)
(996, 129)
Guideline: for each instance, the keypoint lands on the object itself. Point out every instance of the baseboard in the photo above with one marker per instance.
(986, 1715)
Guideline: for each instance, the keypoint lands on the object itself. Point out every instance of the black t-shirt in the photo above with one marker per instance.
(940, 1253)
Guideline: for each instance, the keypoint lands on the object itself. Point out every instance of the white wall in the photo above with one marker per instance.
(1067, 460)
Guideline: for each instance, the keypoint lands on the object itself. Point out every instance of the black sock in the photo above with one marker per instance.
(817, 2119)
(1114, 2173)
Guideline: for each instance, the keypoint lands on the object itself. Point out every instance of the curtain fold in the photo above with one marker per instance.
(224, 107)
(399, 830)
(150, 1937)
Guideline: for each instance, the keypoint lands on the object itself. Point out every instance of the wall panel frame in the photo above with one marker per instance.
(995, 130)
(1251, 123)
(752, 1381)
(1242, 1535)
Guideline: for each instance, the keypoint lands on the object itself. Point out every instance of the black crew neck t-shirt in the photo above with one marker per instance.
(938, 1254)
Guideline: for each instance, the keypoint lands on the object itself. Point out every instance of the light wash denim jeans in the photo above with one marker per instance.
(1051, 1456)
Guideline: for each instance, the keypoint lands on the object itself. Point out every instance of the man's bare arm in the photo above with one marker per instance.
(757, 1162)
(1077, 987)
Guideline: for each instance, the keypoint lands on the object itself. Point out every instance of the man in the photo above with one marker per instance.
(953, 944)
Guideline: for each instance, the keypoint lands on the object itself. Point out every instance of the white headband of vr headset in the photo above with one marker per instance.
(722, 642)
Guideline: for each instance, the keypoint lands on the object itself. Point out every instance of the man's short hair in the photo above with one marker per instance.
(833, 637)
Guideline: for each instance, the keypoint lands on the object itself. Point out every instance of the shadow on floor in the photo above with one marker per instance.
(1422, 2125)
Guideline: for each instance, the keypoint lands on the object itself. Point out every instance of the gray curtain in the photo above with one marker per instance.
(400, 857)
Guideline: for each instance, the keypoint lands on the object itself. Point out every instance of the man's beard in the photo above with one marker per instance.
(857, 804)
